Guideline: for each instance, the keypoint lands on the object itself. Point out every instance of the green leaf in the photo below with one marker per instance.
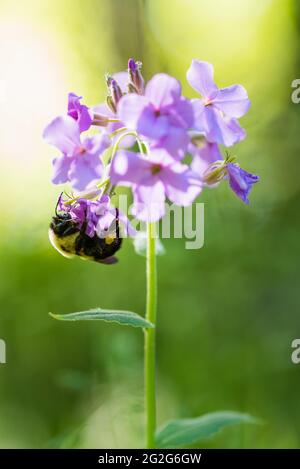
(126, 318)
(188, 431)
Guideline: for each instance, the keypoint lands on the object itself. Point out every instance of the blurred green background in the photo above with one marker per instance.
(228, 312)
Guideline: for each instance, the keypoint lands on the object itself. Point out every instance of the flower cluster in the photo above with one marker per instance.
(96, 216)
(166, 126)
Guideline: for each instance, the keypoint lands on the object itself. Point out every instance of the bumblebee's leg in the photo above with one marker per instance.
(57, 204)
(117, 224)
(118, 240)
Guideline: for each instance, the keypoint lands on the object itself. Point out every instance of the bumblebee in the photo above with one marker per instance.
(69, 240)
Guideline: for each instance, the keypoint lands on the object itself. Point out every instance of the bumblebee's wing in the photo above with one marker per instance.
(109, 260)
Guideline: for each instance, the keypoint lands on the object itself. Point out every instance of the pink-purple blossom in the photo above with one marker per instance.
(204, 155)
(154, 178)
(217, 112)
(80, 113)
(79, 162)
(161, 114)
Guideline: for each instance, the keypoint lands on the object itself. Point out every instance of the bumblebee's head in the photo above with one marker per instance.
(62, 223)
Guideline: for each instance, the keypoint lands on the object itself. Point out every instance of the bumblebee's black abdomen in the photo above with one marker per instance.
(96, 248)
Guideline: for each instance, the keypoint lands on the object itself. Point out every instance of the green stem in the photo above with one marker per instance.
(150, 396)
(120, 138)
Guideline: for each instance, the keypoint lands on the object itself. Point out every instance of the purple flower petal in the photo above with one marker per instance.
(240, 181)
(182, 114)
(181, 185)
(233, 124)
(152, 126)
(97, 144)
(138, 114)
(163, 90)
(61, 167)
(200, 77)
(199, 121)
(232, 101)
(130, 109)
(84, 171)
(129, 168)
(149, 202)
(79, 112)
(203, 157)
(78, 211)
(90, 229)
(105, 221)
(175, 142)
(63, 133)
(219, 129)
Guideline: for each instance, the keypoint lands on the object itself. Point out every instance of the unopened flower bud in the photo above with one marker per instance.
(100, 120)
(214, 173)
(135, 77)
(111, 104)
(115, 93)
(132, 88)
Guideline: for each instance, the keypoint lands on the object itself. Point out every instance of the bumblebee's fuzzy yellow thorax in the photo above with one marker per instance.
(64, 244)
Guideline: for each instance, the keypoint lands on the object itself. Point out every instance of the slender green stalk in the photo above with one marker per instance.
(121, 137)
(150, 382)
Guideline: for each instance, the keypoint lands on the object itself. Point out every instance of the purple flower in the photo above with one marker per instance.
(80, 113)
(92, 214)
(98, 216)
(217, 112)
(162, 114)
(79, 163)
(83, 213)
(153, 178)
(240, 181)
